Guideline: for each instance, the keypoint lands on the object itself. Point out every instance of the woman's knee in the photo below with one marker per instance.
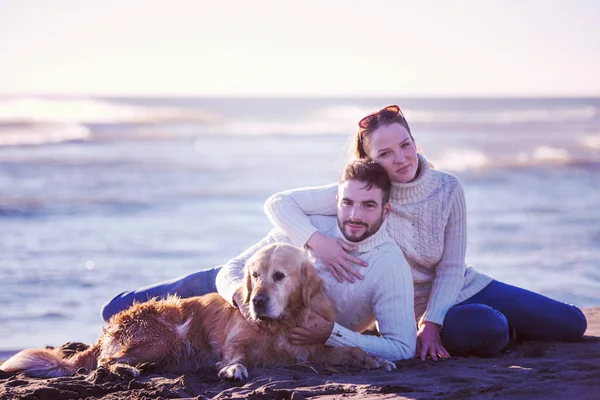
(475, 329)
(575, 324)
(564, 323)
(114, 306)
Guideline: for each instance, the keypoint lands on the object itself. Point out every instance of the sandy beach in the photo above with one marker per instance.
(529, 371)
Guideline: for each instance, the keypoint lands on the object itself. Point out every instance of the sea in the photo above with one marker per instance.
(102, 195)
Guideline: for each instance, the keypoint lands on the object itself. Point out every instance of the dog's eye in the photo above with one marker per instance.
(277, 276)
(255, 274)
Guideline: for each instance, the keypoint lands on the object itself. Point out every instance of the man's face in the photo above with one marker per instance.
(360, 212)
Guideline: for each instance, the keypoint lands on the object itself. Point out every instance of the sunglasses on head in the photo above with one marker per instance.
(372, 120)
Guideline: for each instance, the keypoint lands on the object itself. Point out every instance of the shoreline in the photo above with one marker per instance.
(532, 370)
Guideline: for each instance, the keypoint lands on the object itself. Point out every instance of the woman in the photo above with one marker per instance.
(459, 310)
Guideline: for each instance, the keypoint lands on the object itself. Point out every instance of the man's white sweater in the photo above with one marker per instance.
(428, 222)
(385, 294)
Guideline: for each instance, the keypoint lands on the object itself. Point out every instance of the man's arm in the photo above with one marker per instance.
(289, 211)
(393, 307)
(231, 275)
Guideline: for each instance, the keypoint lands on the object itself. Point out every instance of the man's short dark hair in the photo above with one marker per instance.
(371, 173)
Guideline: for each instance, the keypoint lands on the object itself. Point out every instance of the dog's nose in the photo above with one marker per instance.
(259, 301)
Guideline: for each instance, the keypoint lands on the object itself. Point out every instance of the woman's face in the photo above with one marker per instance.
(392, 147)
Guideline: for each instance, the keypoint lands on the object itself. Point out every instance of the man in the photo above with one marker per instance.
(384, 294)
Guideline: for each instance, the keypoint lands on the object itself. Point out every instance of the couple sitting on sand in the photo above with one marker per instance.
(395, 254)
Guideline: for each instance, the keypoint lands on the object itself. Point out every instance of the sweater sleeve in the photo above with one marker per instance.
(231, 275)
(450, 271)
(393, 308)
(289, 210)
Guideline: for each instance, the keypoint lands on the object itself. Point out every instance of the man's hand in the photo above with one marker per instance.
(429, 342)
(333, 253)
(316, 331)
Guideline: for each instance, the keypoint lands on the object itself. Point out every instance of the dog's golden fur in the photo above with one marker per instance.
(180, 335)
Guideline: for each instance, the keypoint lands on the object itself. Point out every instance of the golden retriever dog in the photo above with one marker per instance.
(185, 335)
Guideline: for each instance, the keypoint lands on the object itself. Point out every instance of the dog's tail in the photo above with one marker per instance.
(48, 363)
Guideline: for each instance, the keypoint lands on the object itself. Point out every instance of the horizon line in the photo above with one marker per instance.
(301, 96)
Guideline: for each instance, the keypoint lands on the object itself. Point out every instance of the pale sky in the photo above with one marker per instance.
(301, 47)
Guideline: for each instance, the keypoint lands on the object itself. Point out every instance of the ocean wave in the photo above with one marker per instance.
(567, 114)
(541, 156)
(343, 120)
(156, 119)
(340, 119)
(260, 128)
(37, 121)
(555, 156)
(350, 114)
(93, 111)
(33, 316)
(41, 133)
(347, 115)
(591, 142)
(464, 160)
(29, 206)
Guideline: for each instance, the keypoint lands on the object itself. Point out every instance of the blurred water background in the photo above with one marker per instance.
(101, 195)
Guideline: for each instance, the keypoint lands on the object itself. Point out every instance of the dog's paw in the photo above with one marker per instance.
(100, 375)
(372, 362)
(387, 365)
(113, 373)
(147, 368)
(125, 372)
(69, 349)
(234, 372)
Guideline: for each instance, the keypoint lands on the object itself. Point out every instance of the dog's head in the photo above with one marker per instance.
(280, 279)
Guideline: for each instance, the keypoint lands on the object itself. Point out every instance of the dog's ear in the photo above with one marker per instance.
(312, 284)
(247, 288)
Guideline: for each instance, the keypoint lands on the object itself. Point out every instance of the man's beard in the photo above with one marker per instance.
(369, 231)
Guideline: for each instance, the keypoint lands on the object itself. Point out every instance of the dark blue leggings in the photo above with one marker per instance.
(479, 326)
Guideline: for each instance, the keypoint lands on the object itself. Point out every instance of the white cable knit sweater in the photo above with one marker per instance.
(428, 222)
(385, 294)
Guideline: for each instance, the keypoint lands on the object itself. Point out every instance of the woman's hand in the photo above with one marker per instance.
(429, 342)
(316, 331)
(333, 253)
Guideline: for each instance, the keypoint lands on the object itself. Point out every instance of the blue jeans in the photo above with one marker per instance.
(480, 325)
(196, 284)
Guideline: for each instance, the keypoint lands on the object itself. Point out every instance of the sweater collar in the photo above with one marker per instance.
(375, 240)
(417, 190)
